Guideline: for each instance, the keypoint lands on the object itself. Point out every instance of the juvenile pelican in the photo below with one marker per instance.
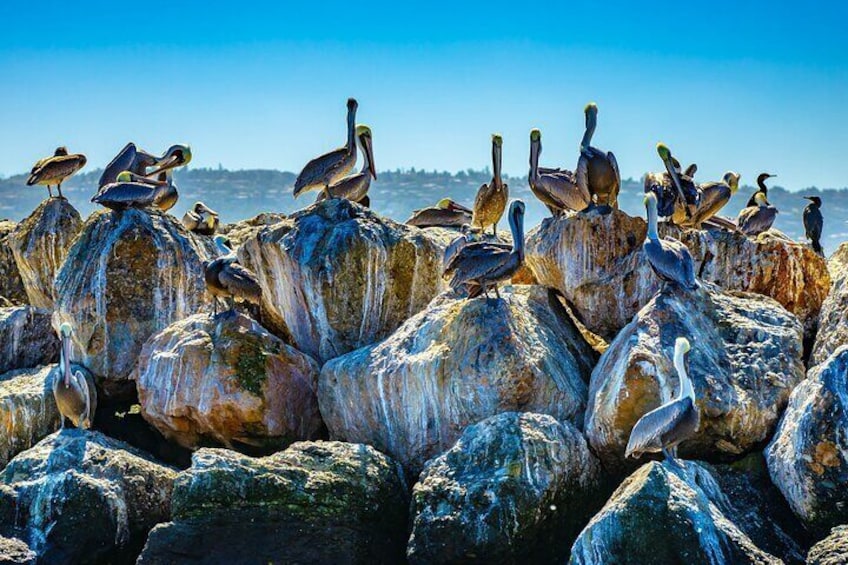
(355, 187)
(813, 223)
(669, 258)
(330, 167)
(201, 219)
(664, 428)
(56, 169)
(557, 189)
(754, 220)
(677, 195)
(597, 172)
(490, 203)
(137, 161)
(480, 267)
(761, 187)
(714, 195)
(135, 191)
(75, 393)
(446, 213)
(226, 278)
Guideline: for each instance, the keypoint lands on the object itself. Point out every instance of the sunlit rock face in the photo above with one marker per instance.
(11, 285)
(239, 232)
(515, 487)
(28, 412)
(833, 321)
(336, 276)
(832, 550)
(808, 457)
(40, 244)
(315, 502)
(226, 380)
(128, 275)
(26, 338)
(79, 496)
(15, 552)
(454, 364)
(745, 359)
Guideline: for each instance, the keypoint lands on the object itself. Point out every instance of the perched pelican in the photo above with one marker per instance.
(664, 428)
(201, 219)
(557, 189)
(355, 187)
(761, 187)
(56, 169)
(490, 203)
(597, 172)
(446, 213)
(813, 223)
(480, 267)
(137, 161)
(135, 191)
(669, 258)
(714, 195)
(75, 393)
(330, 167)
(226, 278)
(470, 236)
(677, 195)
(754, 220)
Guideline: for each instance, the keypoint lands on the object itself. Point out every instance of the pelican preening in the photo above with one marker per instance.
(355, 187)
(761, 187)
(331, 167)
(678, 197)
(754, 220)
(714, 195)
(813, 223)
(664, 428)
(56, 169)
(669, 258)
(557, 189)
(201, 219)
(597, 172)
(227, 278)
(138, 161)
(490, 203)
(131, 190)
(469, 236)
(74, 392)
(446, 214)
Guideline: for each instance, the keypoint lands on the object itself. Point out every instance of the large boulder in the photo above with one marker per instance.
(239, 232)
(40, 244)
(128, 275)
(808, 457)
(745, 359)
(833, 320)
(11, 284)
(594, 258)
(321, 502)
(515, 487)
(832, 550)
(81, 496)
(26, 338)
(225, 379)
(452, 365)
(336, 276)
(28, 412)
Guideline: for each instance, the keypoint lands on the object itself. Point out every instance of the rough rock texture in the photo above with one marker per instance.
(833, 320)
(808, 457)
(129, 275)
(745, 359)
(27, 410)
(13, 551)
(595, 260)
(452, 365)
(662, 514)
(791, 273)
(832, 550)
(515, 487)
(40, 244)
(79, 495)
(315, 502)
(336, 276)
(239, 232)
(11, 285)
(227, 380)
(26, 338)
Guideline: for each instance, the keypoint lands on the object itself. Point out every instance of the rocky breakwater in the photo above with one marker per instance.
(26, 338)
(833, 320)
(11, 285)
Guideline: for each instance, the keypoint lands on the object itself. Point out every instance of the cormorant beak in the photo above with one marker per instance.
(366, 143)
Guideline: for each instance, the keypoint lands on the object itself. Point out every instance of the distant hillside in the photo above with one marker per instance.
(242, 194)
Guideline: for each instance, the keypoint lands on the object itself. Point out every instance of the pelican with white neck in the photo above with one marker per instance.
(669, 258)
(74, 392)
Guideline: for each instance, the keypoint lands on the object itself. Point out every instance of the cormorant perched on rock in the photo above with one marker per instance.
(669, 258)
(761, 187)
(756, 219)
(56, 169)
(813, 223)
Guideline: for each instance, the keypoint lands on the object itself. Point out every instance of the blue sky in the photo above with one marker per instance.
(761, 86)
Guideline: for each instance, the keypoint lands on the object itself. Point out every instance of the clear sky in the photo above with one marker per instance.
(749, 86)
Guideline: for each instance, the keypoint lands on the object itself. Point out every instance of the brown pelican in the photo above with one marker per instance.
(330, 167)
(226, 278)
(754, 220)
(138, 161)
(470, 236)
(446, 213)
(677, 195)
(75, 393)
(669, 258)
(490, 203)
(557, 189)
(56, 169)
(597, 172)
(691, 170)
(761, 187)
(355, 187)
(664, 428)
(201, 219)
(714, 195)
(480, 267)
(813, 223)
(135, 191)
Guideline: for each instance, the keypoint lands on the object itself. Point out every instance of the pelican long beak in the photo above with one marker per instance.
(366, 144)
(454, 207)
(176, 156)
(66, 359)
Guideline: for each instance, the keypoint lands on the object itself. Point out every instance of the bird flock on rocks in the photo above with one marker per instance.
(475, 263)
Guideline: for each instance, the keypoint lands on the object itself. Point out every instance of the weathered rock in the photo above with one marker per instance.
(28, 412)
(833, 320)
(832, 550)
(515, 487)
(336, 276)
(14, 551)
(321, 502)
(745, 359)
(595, 260)
(40, 244)
(81, 496)
(808, 457)
(129, 275)
(239, 232)
(791, 273)
(11, 285)
(26, 338)
(452, 365)
(662, 514)
(205, 380)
